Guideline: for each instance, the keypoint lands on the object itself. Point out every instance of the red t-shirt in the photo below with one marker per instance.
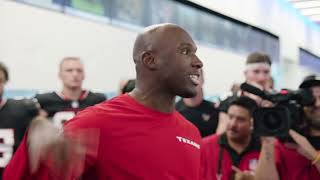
(291, 165)
(214, 146)
(134, 142)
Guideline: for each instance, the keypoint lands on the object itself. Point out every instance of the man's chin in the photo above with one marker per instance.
(188, 94)
(75, 86)
(315, 123)
(233, 138)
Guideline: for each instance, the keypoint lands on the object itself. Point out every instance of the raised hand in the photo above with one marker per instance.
(303, 146)
(242, 175)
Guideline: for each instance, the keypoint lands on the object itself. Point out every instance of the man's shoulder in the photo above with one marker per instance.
(104, 109)
(209, 106)
(27, 105)
(46, 96)
(210, 140)
(106, 114)
(100, 97)
(184, 121)
(21, 102)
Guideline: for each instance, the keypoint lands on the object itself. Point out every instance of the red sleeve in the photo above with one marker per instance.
(203, 162)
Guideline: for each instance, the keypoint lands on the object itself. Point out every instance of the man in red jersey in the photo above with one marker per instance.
(288, 161)
(138, 135)
(236, 149)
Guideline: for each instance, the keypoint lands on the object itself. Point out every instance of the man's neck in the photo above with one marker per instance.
(72, 94)
(2, 102)
(157, 101)
(238, 146)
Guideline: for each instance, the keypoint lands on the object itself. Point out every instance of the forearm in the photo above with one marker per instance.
(318, 166)
(222, 124)
(316, 161)
(267, 167)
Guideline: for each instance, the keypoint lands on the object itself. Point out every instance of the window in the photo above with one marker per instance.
(163, 11)
(130, 11)
(96, 7)
(309, 60)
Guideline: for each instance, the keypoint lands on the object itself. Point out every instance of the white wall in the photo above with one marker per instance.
(277, 17)
(33, 40)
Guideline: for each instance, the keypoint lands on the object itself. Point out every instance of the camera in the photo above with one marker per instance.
(286, 114)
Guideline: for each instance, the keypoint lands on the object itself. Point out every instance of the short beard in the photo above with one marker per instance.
(314, 123)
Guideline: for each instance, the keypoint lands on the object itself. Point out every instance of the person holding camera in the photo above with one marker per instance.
(235, 153)
(257, 73)
(299, 160)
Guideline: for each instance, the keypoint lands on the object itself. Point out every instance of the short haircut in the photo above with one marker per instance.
(4, 69)
(258, 57)
(69, 58)
(246, 103)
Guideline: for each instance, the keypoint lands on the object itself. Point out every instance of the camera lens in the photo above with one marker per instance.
(272, 121)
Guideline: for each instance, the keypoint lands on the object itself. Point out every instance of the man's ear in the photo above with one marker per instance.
(148, 60)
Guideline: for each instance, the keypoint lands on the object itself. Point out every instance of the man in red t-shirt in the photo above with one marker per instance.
(288, 161)
(236, 151)
(138, 135)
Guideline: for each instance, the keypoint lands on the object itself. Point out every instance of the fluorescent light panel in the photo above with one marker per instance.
(306, 4)
(308, 12)
(315, 17)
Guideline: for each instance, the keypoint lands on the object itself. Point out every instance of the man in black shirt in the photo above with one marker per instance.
(200, 112)
(62, 106)
(15, 117)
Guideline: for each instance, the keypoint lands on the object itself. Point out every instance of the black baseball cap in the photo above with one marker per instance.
(309, 81)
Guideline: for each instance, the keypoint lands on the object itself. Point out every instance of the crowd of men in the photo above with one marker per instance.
(144, 133)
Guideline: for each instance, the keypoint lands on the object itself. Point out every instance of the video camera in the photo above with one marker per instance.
(286, 114)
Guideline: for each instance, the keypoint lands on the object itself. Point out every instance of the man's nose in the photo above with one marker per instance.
(232, 122)
(197, 62)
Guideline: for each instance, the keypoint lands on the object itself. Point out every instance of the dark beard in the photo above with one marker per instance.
(314, 123)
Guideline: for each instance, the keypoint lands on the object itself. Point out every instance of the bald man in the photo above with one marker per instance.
(134, 136)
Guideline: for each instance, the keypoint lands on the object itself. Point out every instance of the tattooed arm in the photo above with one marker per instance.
(267, 166)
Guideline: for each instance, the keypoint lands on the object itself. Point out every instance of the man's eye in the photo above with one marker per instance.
(185, 51)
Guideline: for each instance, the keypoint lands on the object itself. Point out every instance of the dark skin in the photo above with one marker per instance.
(166, 66)
(165, 58)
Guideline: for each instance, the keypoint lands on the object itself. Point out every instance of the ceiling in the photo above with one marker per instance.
(308, 8)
